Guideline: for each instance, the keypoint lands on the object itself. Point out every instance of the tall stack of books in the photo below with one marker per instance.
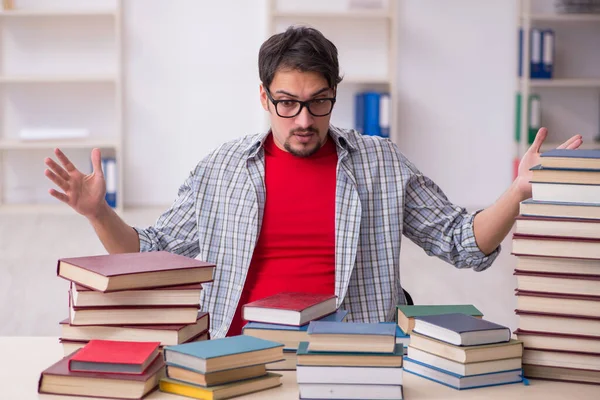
(107, 369)
(284, 318)
(463, 352)
(557, 244)
(221, 368)
(346, 360)
(151, 296)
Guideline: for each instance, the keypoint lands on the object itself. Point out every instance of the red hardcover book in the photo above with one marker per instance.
(289, 308)
(129, 271)
(58, 379)
(111, 356)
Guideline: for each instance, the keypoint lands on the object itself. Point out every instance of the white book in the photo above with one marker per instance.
(565, 192)
(349, 392)
(349, 375)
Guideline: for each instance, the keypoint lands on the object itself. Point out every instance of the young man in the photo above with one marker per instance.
(306, 206)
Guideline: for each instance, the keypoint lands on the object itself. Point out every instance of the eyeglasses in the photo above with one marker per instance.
(291, 108)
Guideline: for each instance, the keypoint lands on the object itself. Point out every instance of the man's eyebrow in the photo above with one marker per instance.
(312, 95)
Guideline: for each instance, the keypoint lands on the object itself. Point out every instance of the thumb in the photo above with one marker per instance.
(97, 162)
(539, 139)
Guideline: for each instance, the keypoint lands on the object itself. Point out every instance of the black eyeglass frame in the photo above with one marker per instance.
(302, 105)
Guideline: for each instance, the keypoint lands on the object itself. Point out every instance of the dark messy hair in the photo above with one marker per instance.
(299, 48)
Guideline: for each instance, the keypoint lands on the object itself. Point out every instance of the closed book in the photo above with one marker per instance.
(565, 175)
(461, 329)
(558, 303)
(561, 227)
(288, 363)
(561, 374)
(569, 158)
(565, 192)
(557, 323)
(219, 392)
(225, 353)
(537, 245)
(114, 356)
(349, 375)
(289, 308)
(468, 354)
(129, 271)
(565, 359)
(165, 334)
(170, 296)
(557, 209)
(461, 382)
(350, 391)
(401, 337)
(338, 316)
(349, 359)
(557, 341)
(351, 336)
(552, 264)
(408, 313)
(588, 285)
(215, 378)
(57, 379)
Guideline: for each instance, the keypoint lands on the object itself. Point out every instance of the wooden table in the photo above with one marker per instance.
(24, 358)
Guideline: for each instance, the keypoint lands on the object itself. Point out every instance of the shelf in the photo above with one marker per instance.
(16, 144)
(57, 13)
(367, 14)
(564, 17)
(563, 83)
(42, 208)
(59, 79)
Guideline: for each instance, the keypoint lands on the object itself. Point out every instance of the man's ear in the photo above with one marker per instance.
(264, 100)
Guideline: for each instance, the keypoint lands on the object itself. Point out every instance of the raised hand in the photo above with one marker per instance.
(84, 193)
(532, 158)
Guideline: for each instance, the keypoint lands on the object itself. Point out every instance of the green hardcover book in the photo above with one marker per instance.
(407, 314)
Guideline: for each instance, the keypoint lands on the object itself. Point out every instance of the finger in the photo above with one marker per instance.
(572, 139)
(65, 161)
(97, 162)
(575, 144)
(57, 169)
(60, 182)
(60, 196)
(539, 140)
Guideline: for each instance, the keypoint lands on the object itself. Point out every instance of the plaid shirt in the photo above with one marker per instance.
(380, 195)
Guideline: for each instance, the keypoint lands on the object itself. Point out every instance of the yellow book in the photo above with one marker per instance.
(220, 392)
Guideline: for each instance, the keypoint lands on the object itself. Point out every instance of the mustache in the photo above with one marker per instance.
(310, 129)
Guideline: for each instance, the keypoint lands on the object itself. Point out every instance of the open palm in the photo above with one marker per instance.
(84, 193)
(532, 158)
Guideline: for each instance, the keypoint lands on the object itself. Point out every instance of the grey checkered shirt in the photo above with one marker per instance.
(380, 195)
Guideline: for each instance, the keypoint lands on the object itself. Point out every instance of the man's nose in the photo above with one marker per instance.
(304, 119)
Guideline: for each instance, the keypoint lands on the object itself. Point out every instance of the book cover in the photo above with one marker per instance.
(337, 316)
(223, 347)
(461, 323)
(303, 350)
(350, 328)
(571, 153)
(98, 352)
(165, 327)
(290, 301)
(418, 311)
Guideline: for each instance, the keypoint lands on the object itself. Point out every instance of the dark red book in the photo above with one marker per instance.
(114, 357)
(129, 271)
(289, 308)
(57, 379)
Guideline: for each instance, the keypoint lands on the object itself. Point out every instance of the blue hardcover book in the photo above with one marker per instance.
(351, 337)
(461, 329)
(211, 355)
(371, 113)
(520, 58)
(337, 316)
(460, 382)
(569, 153)
(359, 112)
(401, 337)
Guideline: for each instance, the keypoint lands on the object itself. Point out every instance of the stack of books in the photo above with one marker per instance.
(221, 368)
(108, 369)
(408, 313)
(557, 244)
(284, 318)
(463, 352)
(346, 360)
(153, 296)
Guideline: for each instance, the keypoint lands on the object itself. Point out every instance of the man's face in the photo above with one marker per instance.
(303, 134)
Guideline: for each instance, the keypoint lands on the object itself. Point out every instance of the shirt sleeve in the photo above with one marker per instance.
(441, 228)
(176, 229)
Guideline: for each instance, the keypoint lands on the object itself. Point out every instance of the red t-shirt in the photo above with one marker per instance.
(296, 244)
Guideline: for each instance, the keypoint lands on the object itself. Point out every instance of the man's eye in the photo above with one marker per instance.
(319, 101)
(288, 103)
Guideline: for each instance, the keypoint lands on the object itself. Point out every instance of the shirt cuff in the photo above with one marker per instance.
(476, 259)
(145, 240)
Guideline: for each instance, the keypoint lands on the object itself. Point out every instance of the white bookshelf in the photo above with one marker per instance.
(366, 43)
(60, 67)
(570, 101)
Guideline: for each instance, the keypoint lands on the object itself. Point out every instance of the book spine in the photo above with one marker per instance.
(384, 114)
(548, 53)
(371, 104)
(110, 173)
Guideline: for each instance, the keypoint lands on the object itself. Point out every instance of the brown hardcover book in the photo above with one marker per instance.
(57, 379)
(558, 303)
(167, 335)
(174, 295)
(556, 246)
(557, 323)
(550, 264)
(129, 271)
(561, 374)
(565, 359)
(215, 378)
(585, 285)
(559, 210)
(561, 227)
(557, 341)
